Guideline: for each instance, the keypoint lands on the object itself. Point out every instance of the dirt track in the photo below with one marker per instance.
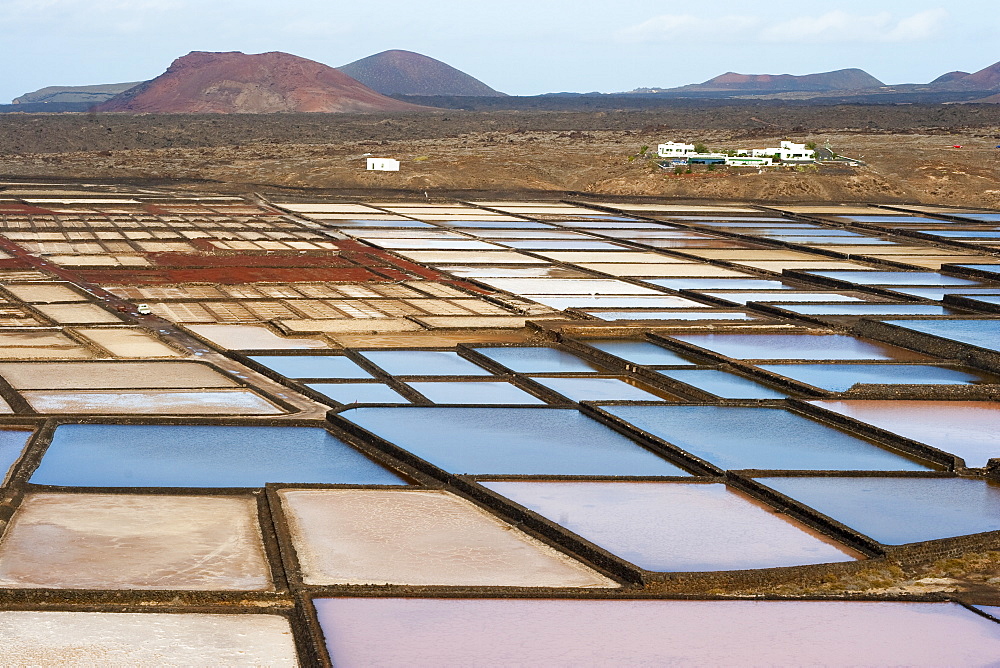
(907, 148)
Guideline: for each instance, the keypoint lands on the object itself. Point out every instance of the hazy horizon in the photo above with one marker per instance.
(516, 47)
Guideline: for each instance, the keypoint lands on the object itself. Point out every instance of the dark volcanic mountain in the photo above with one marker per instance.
(849, 79)
(406, 73)
(950, 76)
(236, 83)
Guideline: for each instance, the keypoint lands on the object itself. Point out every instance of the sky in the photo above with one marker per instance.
(521, 47)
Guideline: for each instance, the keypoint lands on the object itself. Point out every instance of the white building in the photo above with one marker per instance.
(673, 149)
(383, 165)
(787, 152)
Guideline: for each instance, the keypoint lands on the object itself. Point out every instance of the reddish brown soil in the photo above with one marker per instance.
(356, 262)
(229, 275)
(908, 151)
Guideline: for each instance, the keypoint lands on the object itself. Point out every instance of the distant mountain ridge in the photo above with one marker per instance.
(238, 83)
(398, 72)
(267, 86)
(74, 94)
(848, 79)
(845, 84)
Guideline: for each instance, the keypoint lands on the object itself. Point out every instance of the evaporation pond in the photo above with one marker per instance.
(981, 333)
(359, 393)
(312, 366)
(134, 541)
(33, 638)
(472, 392)
(723, 384)
(676, 526)
(603, 389)
(798, 346)
(965, 428)
(834, 241)
(894, 277)
(894, 511)
(574, 633)
(805, 232)
(867, 309)
(752, 437)
(962, 234)
(105, 455)
(640, 352)
(670, 315)
(985, 217)
(747, 297)
(253, 337)
(377, 222)
(104, 375)
(515, 441)
(151, 402)
(539, 360)
(717, 284)
(424, 363)
(938, 294)
(613, 301)
(421, 537)
(496, 224)
(899, 219)
(12, 442)
(842, 377)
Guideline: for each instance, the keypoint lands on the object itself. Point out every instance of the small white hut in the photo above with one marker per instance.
(383, 165)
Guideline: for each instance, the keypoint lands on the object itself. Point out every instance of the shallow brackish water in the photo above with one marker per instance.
(104, 455)
(518, 441)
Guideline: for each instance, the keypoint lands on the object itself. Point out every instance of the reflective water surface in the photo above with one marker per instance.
(894, 511)
(511, 441)
(105, 455)
(750, 437)
(675, 526)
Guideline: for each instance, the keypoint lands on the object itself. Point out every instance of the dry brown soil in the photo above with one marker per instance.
(908, 151)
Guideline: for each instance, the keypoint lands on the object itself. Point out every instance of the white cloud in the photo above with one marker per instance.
(668, 27)
(919, 26)
(839, 26)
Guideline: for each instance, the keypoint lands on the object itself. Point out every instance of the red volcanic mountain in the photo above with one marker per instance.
(399, 72)
(849, 79)
(236, 83)
(987, 78)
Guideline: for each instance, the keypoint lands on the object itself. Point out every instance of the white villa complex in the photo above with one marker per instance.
(787, 153)
(673, 149)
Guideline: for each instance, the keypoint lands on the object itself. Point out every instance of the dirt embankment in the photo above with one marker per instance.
(912, 160)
